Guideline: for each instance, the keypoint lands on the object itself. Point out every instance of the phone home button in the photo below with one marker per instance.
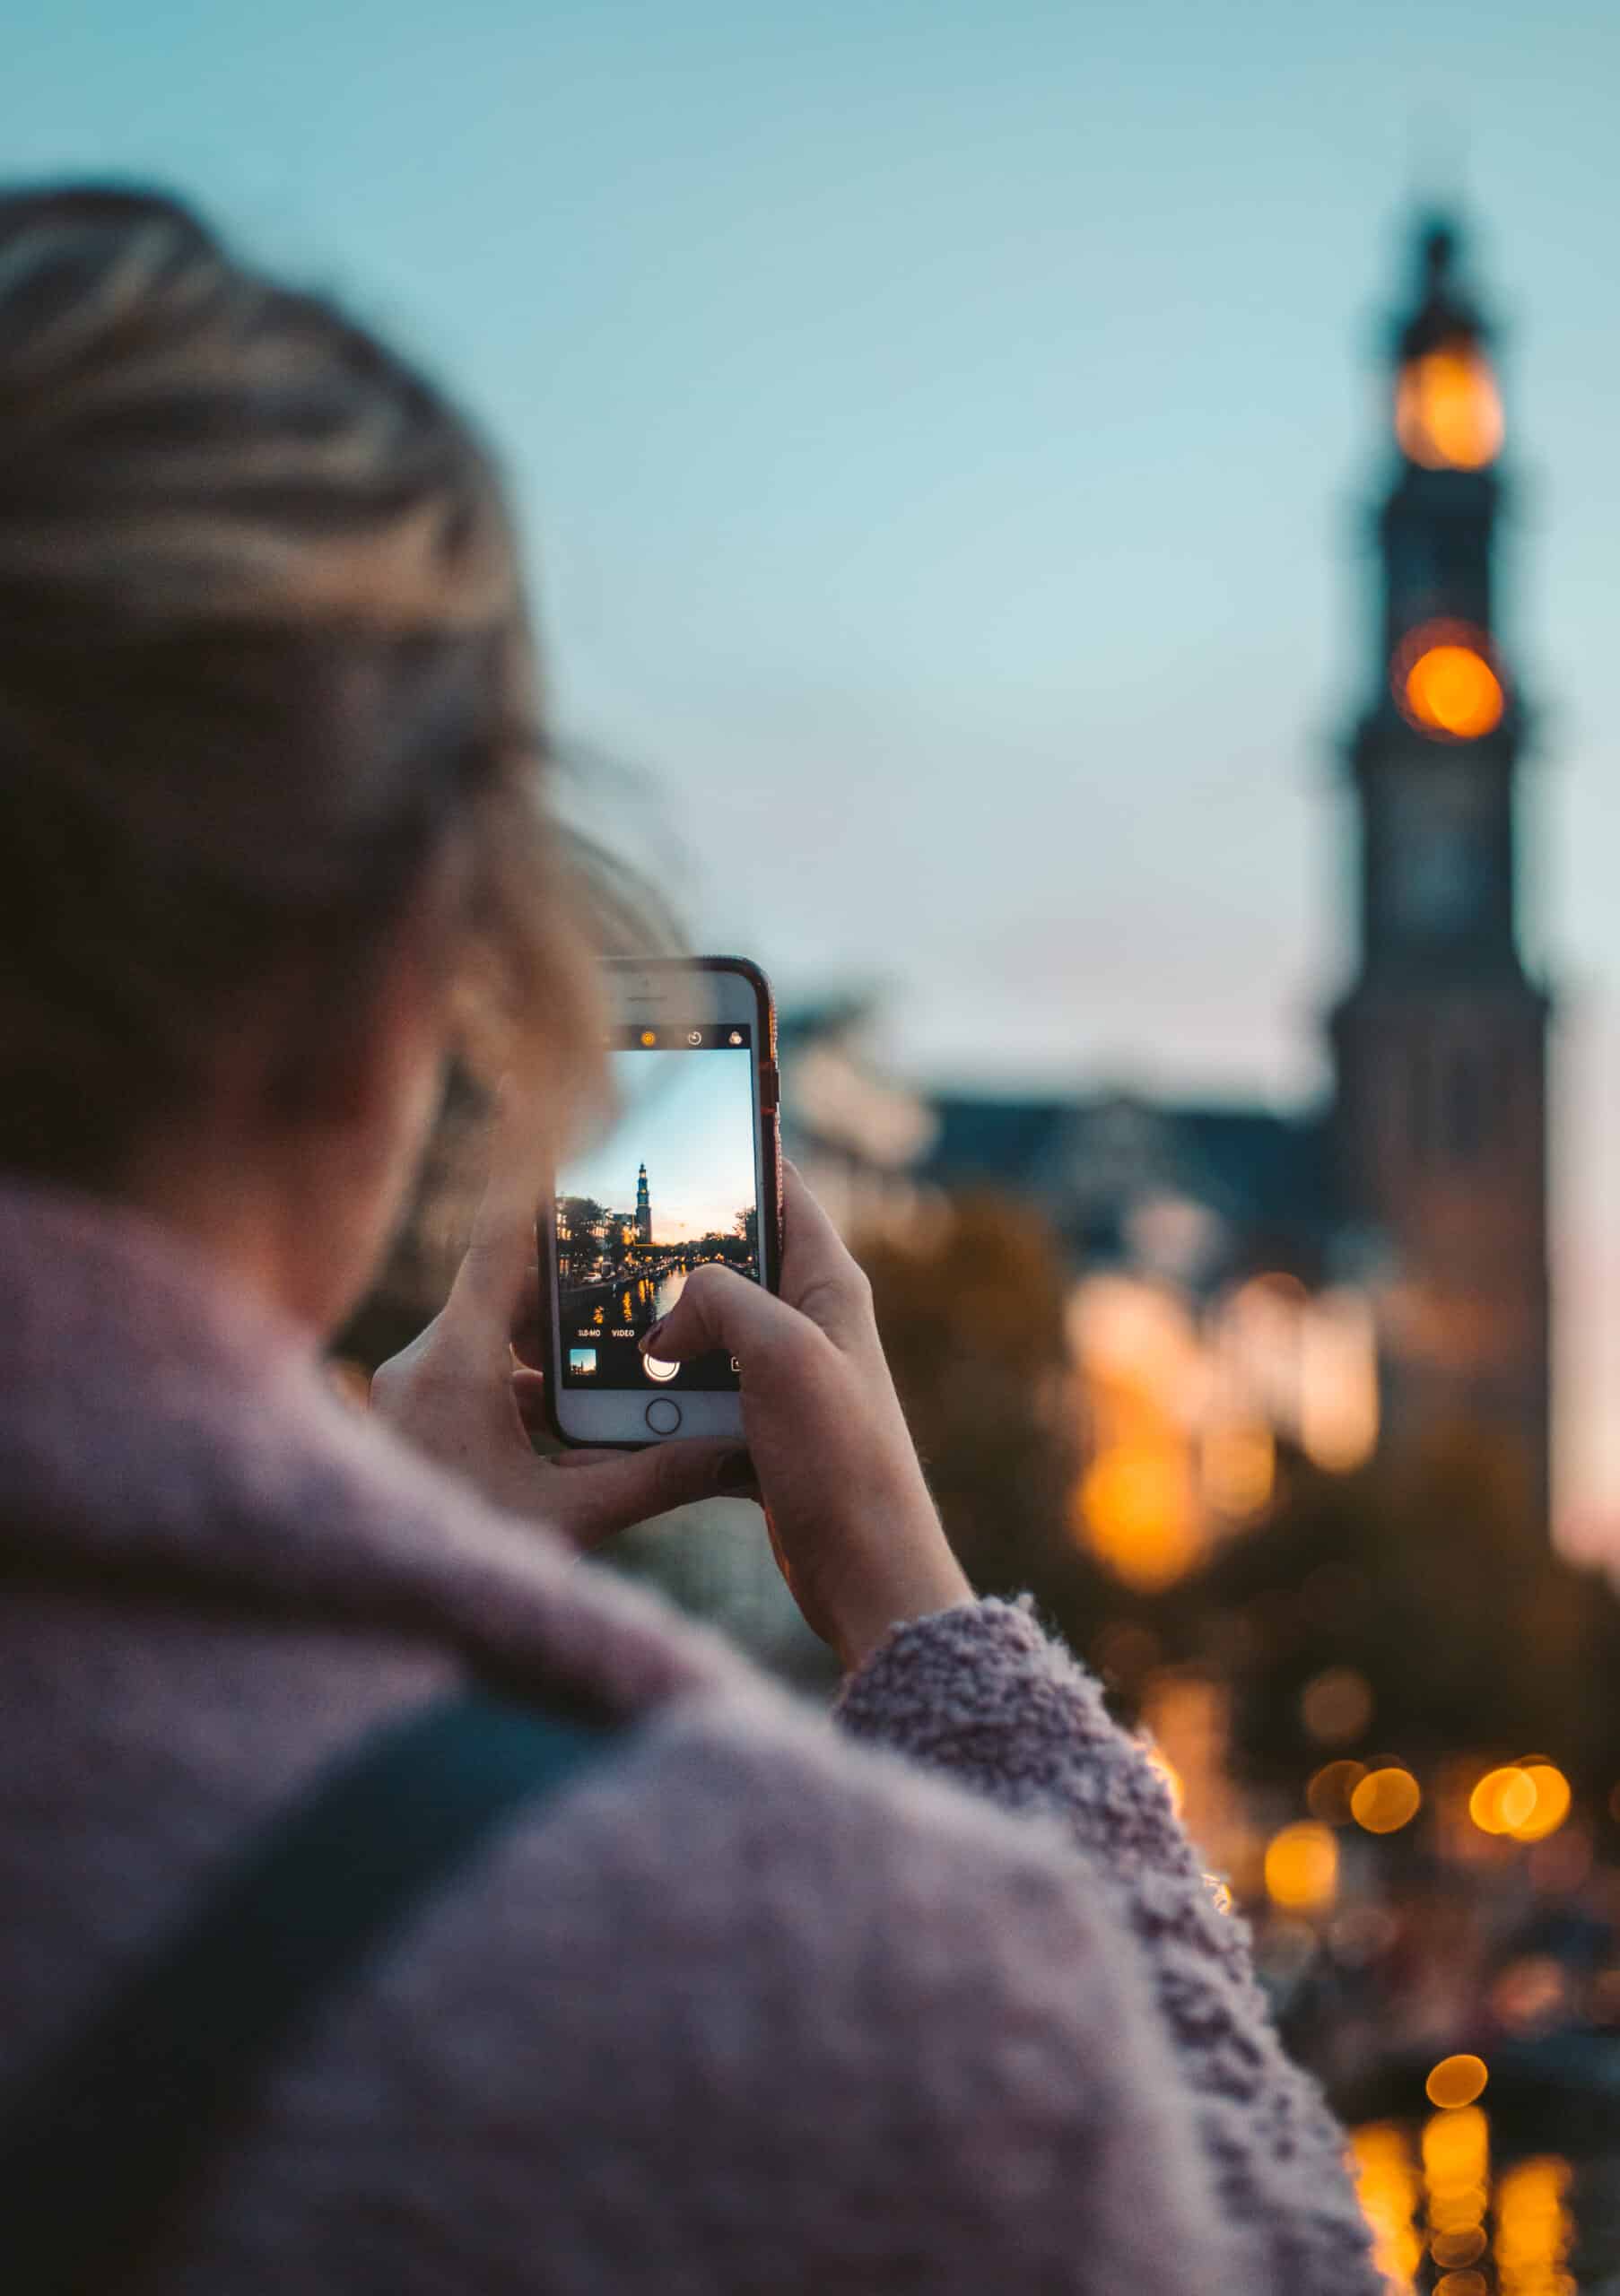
(664, 1415)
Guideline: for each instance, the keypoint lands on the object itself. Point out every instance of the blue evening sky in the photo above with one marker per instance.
(941, 427)
(689, 1117)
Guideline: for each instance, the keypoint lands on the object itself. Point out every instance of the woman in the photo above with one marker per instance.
(932, 1996)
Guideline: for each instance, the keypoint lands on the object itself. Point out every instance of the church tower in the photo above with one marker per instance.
(643, 1209)
(1439, 1044)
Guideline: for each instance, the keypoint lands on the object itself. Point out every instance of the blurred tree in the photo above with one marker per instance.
(971, 1302)
(1417, 1617)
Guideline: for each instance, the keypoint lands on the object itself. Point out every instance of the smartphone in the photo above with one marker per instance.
(688, 1171)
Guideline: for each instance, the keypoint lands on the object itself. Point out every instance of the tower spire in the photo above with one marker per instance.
(1440, 1042)
(1448, 411)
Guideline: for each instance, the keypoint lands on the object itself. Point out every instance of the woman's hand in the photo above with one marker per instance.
(855, 1532)
(460, 1393)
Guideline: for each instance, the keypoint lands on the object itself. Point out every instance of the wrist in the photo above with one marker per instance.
(936, 1584)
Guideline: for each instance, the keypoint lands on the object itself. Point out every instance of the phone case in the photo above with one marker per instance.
(771, 1161)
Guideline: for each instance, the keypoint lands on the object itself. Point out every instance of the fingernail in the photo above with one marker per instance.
(649, 1339)
(734, 1473)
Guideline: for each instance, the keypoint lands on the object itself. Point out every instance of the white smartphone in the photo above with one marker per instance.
(688, 1171)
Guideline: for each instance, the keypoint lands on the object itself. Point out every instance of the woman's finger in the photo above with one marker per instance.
(528, 1339)
(591, 1501)
(819, 1275)
(721, 1312)
(528, 1391)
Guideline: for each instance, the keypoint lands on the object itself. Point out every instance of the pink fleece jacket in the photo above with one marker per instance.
(930, 1997)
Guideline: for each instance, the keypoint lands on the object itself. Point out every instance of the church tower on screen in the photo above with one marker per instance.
(1439, 1123)
(643, 1209)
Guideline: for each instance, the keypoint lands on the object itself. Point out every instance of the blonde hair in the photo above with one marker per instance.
(264, 655)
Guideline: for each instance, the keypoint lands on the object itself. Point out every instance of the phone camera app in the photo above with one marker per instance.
(671, 1187)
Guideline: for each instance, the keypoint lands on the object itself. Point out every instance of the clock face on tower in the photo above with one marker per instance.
(1439, 864)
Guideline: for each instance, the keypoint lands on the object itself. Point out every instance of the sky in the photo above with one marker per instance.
(689, 1117)
(944, 433)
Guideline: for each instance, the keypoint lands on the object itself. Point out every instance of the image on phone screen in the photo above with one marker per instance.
(672, 1184)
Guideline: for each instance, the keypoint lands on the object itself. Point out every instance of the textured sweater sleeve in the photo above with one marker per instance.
(980, 1693)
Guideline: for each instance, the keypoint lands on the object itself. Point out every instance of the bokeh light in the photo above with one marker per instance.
(1387, 2186)
(1450, 2249)
(1137, 1509)
(1551, 1801)
(1457, 2081)
(1301, 1868)
(1451, 688)
(1527, 1801)
(1456, 2175)
(1238, 1468)
(1502, 1800)
(1386, 1800)
(1534, 2233)
(1336, 1706)
(1448, 411)
(1328, 1795)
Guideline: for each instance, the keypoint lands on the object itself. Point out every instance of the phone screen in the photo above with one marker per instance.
(672, 1184)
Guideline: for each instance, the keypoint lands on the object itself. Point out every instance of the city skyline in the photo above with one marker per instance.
(943, 435)
(689, 1117)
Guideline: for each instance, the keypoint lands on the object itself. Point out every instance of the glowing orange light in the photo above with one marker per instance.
(1457, 2159)
(650, 1037)
(1454, 691)
(1388, 2188)
(1448, 415)
(1449, 2248)
(1301, 1868)
(1502, 1801)
(1529, 1800)
(1386, 1800)
(1172, 1776)
(1239, 1468)
(1457, 2081)
(1135, 1504)
(1534, 2233)
(1551, 1801)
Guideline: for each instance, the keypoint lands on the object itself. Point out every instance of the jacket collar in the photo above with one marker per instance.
(159, 1428)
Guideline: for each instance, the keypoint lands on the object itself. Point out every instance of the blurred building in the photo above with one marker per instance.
(860, 1137)
(1372, 1273)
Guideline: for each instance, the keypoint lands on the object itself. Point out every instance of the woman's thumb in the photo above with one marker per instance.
(718, 1313)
